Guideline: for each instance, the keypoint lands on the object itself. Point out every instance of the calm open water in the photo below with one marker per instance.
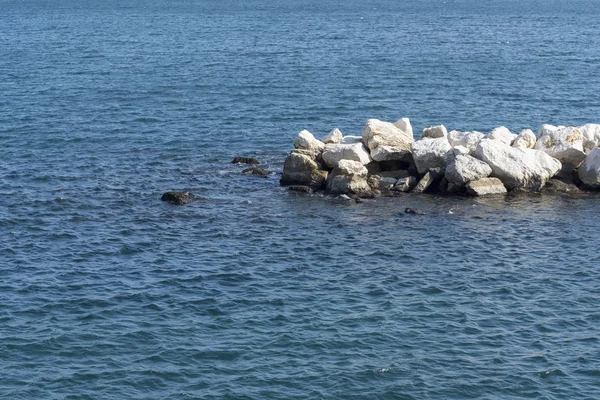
(258, 293)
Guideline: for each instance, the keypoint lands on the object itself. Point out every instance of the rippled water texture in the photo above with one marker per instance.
(258, 293)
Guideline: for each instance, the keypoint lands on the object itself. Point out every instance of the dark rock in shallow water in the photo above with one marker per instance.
(557, 186)
(301, 189)
(245, 160)
(255, 171)
(413, 211)
(179, 198)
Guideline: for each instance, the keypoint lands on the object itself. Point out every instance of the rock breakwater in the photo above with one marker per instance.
(386, 160)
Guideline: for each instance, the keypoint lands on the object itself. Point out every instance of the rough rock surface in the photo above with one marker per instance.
(591, 136)
(255, 171)
(431, 153)
(470, 140)
(383, 185)
(348, 184)
(517, 168)
(465, 169)
(425, 182)
(405, 184)
(334, 153)
(503, 135)
(244, 160)
(335, 136)
(301, 169)
(349, 167)
(485, 186)
(386, 141)
(562, 143)
(434, 132)
(404, 125)
(460, 151)
(305, 140)
(589, 171)
(179, 198)
(525, 140)
(556, 186)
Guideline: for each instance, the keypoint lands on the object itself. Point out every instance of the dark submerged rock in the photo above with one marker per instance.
(413, 211)
(245, 160)
(179, 198)
(256, 171)
(301, 189)
(558, 186)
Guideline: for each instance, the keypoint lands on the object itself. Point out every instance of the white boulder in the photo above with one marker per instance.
(525, 169)
(404, 125)
(386, 141)
(591, 136)
(562, 143)
(485, 186)
(465, 139)
(431, 153)
(503, 135)
(349, 167)
(434, 132)
(460, 151)
(302, 169)
(465, 169)
(334, 153)
(525, 140)
(306, 141)
(589, 171)
(335, 136)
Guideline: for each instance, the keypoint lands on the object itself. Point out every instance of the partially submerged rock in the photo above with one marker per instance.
(179, 198)
(405, 184)
(485, 186)
(255, 171)
(301, 169)
(557, 186)
(589, 171)
(301, 189)
(244, 160)
(523, 169)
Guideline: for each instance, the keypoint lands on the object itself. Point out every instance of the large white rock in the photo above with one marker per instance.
(386, 141)
(503, 135)
(305, 140)
(465, 169)
(335, 136)
(562, 143)
(431, 153)
(460, 151)
(334, 153)
(404, 125)
(525, 169)
(465, 139)
(302, 169)
(591, 136)
(589, 171)
(485, 186)
(349, 167)
(434, 132)
(525, 140)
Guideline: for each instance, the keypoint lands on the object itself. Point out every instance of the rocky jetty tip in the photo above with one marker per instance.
(386, 160)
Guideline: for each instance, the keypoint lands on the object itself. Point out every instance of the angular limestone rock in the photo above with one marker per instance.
(434, 132)
(301, 169)
(383, 185)
(503, 135)
(562, 143)
(335, 136)
(426, 181)
(591, 136)
(305, 140)
(431, 153)
(460, 151)
(465, 169)
(589, 171)
(525, 140)
(405, 184)
(352, 185)
(465, 139)
(517, 168)
(404, 125)
(349, 167)
(351, 139)
(485, 186)
(334, 153)
(386, 141)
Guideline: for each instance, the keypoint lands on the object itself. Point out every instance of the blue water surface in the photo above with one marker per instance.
(258, 293)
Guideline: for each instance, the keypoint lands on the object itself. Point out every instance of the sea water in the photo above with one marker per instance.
(258, 293)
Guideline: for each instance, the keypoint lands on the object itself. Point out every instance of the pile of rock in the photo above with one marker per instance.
(386, 160)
